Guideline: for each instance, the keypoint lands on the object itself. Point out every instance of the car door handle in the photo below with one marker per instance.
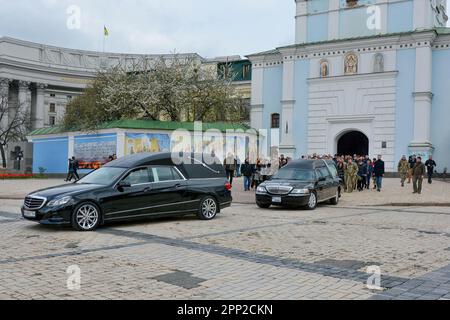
(178, 186)
(148, 189)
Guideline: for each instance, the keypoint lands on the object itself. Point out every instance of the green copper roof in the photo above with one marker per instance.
(148, 125)
(443, 30)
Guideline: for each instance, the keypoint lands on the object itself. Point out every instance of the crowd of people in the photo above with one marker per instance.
(360, 172)
(357, 172)
(415, 169)
(253, 173)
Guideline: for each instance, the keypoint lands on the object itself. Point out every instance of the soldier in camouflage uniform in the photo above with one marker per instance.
(403, 170)
(352, 175)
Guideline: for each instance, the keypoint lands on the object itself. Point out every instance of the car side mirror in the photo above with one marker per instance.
(123, 184)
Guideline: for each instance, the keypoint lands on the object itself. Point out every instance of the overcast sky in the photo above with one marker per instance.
(208, 27)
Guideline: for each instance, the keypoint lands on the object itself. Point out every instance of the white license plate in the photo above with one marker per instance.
(29, 214)
(276, 200)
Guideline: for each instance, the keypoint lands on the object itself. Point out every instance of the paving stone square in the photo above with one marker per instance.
(245, 253)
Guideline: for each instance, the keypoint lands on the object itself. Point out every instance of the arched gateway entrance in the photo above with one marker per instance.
(353, 142)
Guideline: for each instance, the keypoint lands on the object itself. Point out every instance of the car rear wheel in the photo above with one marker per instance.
(86, 217)
(263, 205)
(312, 201)
(208, 208)
(335, 200)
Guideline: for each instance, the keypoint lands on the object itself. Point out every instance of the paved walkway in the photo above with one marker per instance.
(279, 254)
(246, 253)
(437, 194)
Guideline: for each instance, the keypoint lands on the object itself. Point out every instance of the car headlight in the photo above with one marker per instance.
(59, 202)
(261, 190)
(300, 191)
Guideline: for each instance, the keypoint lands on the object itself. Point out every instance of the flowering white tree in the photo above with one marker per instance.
(175, 89)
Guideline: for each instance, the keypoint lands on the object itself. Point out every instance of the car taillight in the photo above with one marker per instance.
(228, 186)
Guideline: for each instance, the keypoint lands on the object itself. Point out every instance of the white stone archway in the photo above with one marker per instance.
(338, 127)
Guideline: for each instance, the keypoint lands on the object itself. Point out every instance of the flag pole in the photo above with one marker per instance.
(104, 39)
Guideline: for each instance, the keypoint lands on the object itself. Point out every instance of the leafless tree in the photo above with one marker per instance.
(14, 125)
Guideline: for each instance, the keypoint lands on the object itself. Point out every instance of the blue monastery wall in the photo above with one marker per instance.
(51, 154)
(301, 107)
(352, 22)
(440, 113)
(272, 88)
(404, 115)
(400, 17)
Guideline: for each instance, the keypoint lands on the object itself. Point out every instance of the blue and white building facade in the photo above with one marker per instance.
(380, 68)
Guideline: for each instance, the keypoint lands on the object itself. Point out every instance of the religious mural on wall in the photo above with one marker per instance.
(146, 142)
(93, 153)
(351, 64)
(324, 68)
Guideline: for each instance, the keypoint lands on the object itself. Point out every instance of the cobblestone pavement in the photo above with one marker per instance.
(436, 194)
(246, 253)
(393, 194)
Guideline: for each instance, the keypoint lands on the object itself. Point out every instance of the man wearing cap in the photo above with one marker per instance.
(418, 175)
(403, 169)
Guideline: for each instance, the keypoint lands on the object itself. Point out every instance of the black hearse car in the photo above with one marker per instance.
(133, 187)
(303, 183)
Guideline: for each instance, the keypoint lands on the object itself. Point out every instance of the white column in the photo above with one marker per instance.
(120, 144)
(39, 108)
(287, 125)
(71, 146)
(257, 100)
(23, 103)
(422, 15)
(333, 20)
(301, 22)
(422, 117)
(4, 101)
(423, 101)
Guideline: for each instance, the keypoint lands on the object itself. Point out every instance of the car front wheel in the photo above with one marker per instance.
(312, 201)
(208, 208)
(86, 217)
(263, 205)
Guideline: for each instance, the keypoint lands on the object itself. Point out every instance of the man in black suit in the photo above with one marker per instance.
(430, 164)
(379, 171)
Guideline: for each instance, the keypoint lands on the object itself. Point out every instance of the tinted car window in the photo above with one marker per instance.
(324, 173)
(138, 176)
(294, 174)
(333, 169)
(162, 174)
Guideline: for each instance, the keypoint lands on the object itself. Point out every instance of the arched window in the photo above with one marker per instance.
(378, 63)
(275, 121)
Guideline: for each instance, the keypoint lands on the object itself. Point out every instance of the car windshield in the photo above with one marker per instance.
(294, 174)
(103, 176)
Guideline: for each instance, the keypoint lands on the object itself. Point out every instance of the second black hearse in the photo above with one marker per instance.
(135, 187)
(302, 183)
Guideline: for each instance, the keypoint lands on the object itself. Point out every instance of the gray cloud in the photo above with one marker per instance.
(208, 27)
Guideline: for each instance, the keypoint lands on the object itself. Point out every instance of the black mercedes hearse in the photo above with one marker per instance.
(303, 183)
(134, 187)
